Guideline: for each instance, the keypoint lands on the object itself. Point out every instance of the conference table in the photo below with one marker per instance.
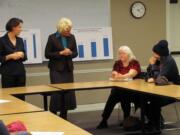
(28, 90)
(44, 90)
(44, 122)
(11, 105)
(136, 86)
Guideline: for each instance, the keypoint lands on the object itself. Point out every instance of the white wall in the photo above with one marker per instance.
(173, 28)
(44, 14)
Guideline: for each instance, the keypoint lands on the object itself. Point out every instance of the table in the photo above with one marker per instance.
(84, 85)
(28, 90)
(138, 86)
(171, 91)
(16, 106)
(45, 90)
(45, 121)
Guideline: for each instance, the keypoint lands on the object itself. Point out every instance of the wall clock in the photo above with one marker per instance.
(138, 9)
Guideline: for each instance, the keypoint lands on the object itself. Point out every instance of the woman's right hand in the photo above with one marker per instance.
(152, 60)
(114, 74)
(12, 56)
(66, 52)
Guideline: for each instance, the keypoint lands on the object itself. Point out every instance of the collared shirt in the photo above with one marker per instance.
(63, 39)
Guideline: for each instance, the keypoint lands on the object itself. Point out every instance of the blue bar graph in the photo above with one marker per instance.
(106, 46)
(81, 51)
(93, 49)
(34, 46)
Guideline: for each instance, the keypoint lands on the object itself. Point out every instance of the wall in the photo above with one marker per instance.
(173, 29)
(140, 35)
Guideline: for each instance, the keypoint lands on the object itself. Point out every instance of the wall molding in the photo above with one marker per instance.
(82, 71)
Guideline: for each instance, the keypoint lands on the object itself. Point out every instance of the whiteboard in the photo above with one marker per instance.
(94, 43)
(173, 29)
(44, 14)
(173, 26)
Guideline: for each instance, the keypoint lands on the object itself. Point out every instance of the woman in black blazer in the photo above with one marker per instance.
(12, 55)
(60, 50)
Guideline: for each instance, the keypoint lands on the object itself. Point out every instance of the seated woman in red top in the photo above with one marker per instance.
(125, 68)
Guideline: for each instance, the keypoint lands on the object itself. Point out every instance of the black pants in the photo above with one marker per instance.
(56, 98)
(153, 108)
(14, 81)
(119, 95)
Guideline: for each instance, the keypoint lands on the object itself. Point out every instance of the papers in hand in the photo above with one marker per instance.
(47, 133)
(3, 101)
(121, 80)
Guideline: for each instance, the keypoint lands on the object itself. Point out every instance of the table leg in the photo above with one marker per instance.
(143, 114)
(63, 113)
(45, 98)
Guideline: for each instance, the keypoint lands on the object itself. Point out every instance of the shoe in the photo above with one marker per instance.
(121, 124)
(103, 124)
(151, 129)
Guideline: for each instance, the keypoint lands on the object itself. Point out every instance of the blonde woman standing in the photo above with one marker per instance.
(60, 50)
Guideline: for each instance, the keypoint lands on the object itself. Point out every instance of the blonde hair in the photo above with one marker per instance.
(64, 24)
(128, 51)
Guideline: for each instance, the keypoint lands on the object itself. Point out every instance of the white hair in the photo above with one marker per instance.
(128, 51)
(64, 24)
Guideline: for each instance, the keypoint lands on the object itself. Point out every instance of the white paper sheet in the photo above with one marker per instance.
(3, 101)
(47, 133)
(121, 80)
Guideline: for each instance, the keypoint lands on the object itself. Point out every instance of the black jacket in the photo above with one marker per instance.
(165, 67)
(11, 67)
(54, 46)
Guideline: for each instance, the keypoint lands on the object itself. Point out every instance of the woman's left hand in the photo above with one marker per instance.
(150, 80)
(20, 54)
(66, 52)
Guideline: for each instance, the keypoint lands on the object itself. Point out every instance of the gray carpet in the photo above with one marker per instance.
(89, 121)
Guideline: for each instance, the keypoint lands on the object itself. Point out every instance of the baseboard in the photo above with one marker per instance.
(90, 107)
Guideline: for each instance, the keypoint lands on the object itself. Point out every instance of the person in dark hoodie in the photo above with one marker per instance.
(162, 64)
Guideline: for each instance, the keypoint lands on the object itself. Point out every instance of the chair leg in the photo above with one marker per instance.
(176, 109)
(119, 111)
(45, 98)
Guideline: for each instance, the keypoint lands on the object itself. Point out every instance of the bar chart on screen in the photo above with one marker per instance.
(32, 45)
(94, 43)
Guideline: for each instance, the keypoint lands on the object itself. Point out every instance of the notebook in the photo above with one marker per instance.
(47, 133)
(121, 80)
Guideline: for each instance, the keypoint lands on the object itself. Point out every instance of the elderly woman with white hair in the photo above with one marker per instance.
(124, 68)
(60, 50)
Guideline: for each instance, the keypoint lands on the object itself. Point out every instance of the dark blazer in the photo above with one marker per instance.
(11, 67)
(54, 46)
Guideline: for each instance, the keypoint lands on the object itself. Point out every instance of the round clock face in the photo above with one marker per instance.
(138, 10)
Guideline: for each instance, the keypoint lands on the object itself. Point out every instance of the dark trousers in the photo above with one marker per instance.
(14, 81)
(56, 98)
(118, 95)
(153, 108)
